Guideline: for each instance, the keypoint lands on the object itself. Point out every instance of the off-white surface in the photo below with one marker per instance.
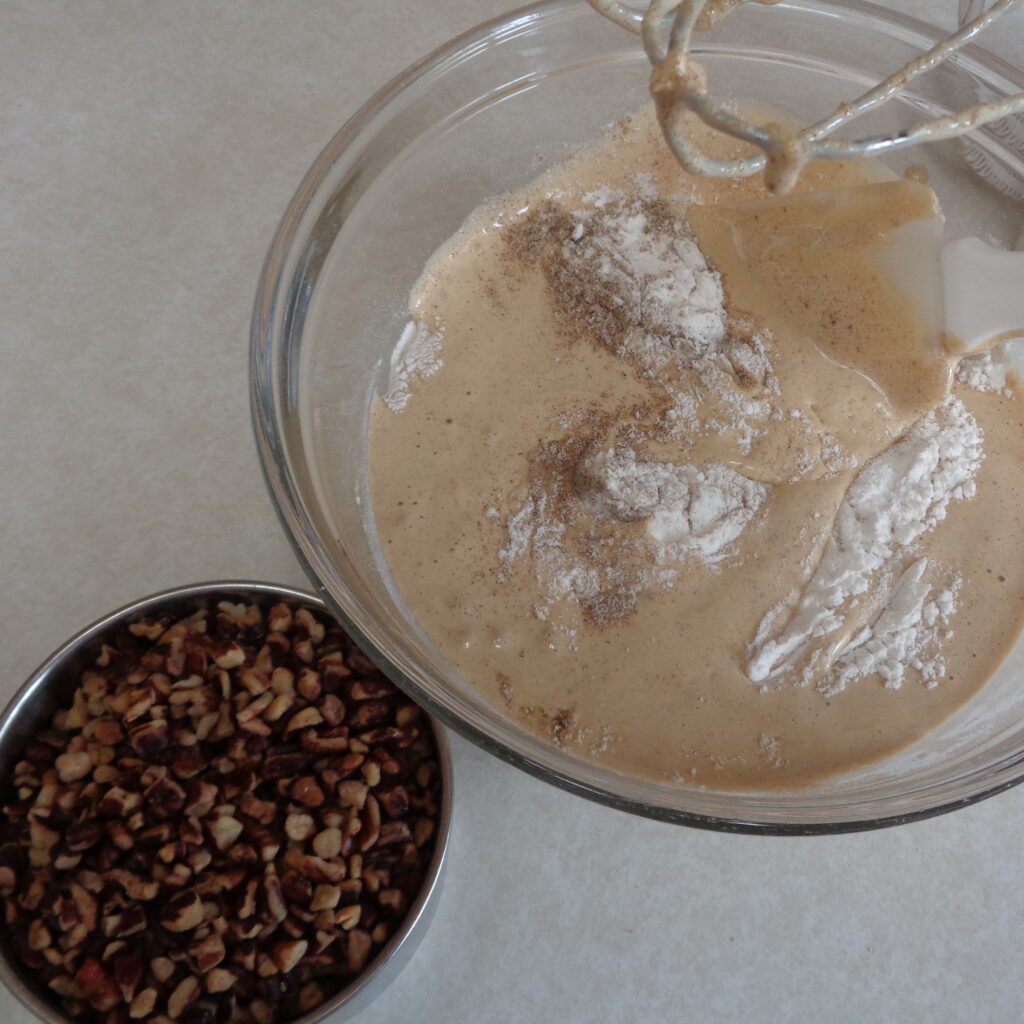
(147, 149)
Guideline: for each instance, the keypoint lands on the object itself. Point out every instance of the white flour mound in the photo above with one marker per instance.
(907, 633)
(417, 355)
(635, 273)
(990, 371)
(896, 497)
(534, 530)
(981, 373)
(688, 510)
(658, 277)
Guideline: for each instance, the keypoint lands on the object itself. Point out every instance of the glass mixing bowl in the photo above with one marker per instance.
(483, 115)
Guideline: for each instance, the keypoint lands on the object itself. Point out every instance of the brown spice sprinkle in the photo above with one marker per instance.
(229, 821)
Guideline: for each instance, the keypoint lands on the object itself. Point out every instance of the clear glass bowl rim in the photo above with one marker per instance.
(265, 386)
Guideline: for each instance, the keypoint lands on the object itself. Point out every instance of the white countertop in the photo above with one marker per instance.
(146, 152)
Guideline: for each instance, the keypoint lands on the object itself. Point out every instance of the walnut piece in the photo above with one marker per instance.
(227, 822)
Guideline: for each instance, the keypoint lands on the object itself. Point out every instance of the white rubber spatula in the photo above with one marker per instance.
(982, 292)
(967, 295)
(969, 292)
(974, 292)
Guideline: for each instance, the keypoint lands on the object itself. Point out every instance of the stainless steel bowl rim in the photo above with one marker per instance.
(283, 490)
(388, 962)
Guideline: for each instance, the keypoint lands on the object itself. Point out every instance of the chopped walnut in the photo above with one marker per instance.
(230, 818)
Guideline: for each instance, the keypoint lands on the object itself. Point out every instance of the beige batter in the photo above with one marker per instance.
(650, 678)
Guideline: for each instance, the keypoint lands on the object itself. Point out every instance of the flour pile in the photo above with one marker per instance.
(626, 525)
(687, 510)
(637, 269)
(996, 371)
(897, 496)
(907, 633)
(416, 355)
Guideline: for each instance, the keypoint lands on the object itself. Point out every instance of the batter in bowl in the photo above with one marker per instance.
(683, 481)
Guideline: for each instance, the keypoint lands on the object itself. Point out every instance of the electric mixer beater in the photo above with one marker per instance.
(679, 86)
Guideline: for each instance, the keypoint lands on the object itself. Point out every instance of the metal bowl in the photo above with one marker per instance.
(52, 685)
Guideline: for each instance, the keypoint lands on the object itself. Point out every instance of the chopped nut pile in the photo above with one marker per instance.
(229, 821)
